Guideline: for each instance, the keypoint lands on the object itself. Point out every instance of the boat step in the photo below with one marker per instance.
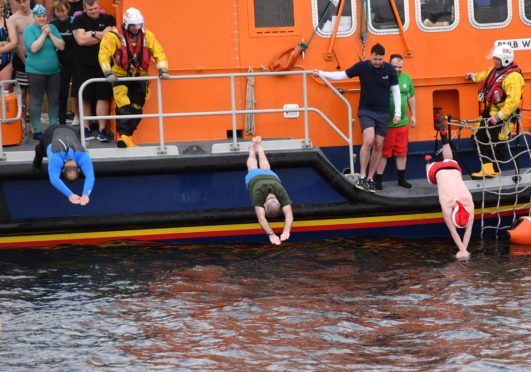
(295, 144)
(131, 152)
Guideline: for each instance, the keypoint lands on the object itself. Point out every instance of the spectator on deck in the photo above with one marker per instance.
(8, 42)
(131, 38)
(500, 93)
(42, 40)
(64, 23)
(377, 80)
(21, 19)
(89, 29)
(396, 141)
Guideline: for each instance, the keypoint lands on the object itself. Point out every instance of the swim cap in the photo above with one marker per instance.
(39, 10)
(460, 216)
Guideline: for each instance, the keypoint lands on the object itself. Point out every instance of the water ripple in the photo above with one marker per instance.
(372, 305)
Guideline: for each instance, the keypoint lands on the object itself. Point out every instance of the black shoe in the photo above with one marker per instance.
(405, 184)
(402, 179)
(370, 186)
(378, 181)
(361, 183)
(37, 165)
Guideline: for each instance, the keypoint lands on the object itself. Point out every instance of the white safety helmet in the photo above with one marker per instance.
(504, 53)
(132, 16)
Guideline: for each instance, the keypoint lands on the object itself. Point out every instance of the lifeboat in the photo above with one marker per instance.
(520, 233)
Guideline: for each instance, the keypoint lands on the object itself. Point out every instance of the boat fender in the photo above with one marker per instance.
(520, 232)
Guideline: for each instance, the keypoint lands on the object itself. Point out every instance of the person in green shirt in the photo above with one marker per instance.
(267, 194)
(396, 142)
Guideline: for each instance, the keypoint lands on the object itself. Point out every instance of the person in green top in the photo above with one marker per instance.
(267, 194)
(396, 142)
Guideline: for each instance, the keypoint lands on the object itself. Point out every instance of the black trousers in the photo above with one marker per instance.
(136, 91)
(64, 93)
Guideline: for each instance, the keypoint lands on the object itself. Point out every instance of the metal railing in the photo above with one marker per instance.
(3, 119)
(233, 112)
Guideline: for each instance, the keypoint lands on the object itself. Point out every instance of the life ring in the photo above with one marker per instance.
(520, 233)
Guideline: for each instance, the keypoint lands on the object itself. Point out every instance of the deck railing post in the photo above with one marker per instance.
(81, 115)
(162, 149)
(305, 99)
(234, 146)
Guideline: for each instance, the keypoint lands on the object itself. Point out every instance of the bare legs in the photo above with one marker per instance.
(370, 152)
(257, 149)
(447, 151)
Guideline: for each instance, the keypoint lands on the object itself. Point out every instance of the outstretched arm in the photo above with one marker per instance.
(463, 253)
(260, 214)
(332, 75)
(85, 164)
(55, 164)
(288, 221)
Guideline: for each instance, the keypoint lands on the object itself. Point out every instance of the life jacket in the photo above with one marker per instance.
(491, 91)
(130, 57)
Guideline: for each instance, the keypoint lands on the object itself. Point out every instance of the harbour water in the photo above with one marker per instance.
(328, 305)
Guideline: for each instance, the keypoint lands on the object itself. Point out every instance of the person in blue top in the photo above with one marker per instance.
(377, 80)
(66, 157)
(42, 41)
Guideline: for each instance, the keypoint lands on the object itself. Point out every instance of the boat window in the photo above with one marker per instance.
(488, 12)
(325, 13)
(273, 13)
(382, 18)
(437, 15)
(525, 10)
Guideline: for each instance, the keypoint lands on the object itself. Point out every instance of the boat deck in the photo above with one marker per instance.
(102, 152)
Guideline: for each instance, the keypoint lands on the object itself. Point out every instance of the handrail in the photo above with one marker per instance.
(3, 119)
(233, 111)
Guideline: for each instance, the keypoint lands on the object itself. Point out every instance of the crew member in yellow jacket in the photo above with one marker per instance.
(501, 94)
(126, 51)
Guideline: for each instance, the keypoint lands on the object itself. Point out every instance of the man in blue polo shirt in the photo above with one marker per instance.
(66, 156)
(377, 79)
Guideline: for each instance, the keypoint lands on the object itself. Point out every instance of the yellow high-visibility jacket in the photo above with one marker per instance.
(513, 86)
(111, 43)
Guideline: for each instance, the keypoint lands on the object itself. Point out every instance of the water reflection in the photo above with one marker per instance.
(337, 304)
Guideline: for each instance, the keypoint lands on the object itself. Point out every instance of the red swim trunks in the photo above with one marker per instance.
(395, 143)
(437, 166)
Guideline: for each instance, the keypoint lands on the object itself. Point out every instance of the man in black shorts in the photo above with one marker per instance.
(89, 29)
(377, 79)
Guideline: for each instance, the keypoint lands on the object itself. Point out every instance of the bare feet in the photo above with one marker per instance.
(257, 140)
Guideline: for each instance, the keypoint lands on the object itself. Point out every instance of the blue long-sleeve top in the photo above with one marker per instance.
(56, 161)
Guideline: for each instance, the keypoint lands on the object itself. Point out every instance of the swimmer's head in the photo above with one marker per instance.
(460, 215)
(71, 170)
(272, 206)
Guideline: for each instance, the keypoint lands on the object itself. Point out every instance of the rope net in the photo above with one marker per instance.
(509, 156)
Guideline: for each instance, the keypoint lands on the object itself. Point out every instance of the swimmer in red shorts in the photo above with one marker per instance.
(456, 201)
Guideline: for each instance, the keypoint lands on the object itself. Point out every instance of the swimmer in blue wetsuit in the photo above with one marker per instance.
(66, 157)
(267, 194)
